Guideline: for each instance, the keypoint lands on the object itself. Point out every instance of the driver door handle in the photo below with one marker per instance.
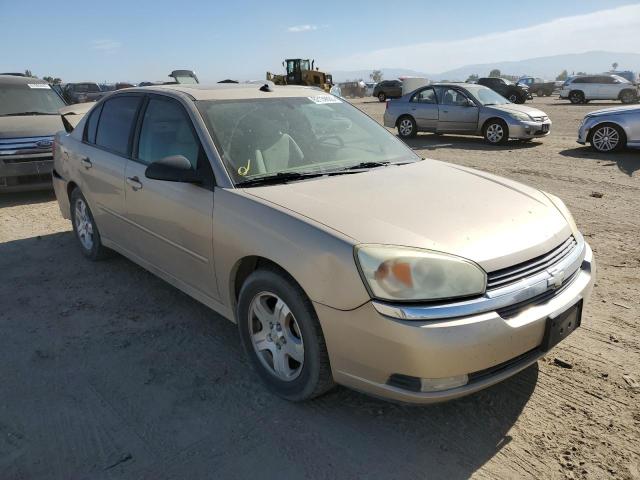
(86, 162)
(134, 183)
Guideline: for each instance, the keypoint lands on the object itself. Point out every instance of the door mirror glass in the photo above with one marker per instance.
(470, 103)
(175, 168)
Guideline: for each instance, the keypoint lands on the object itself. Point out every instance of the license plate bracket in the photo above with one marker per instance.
(560, 326)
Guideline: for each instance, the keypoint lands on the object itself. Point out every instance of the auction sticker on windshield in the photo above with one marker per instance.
(323, 99)
(38, 85)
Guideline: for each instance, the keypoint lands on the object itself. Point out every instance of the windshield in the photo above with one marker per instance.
(23, 98)
(262, 137)
(486, 96)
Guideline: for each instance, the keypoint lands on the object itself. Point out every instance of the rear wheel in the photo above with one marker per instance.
(407, 127)
(282, 336)
(540, 93)
(576, 97)
(607, 138)
(382, 96)
(513, 97)
(496, 132)
(85, 228)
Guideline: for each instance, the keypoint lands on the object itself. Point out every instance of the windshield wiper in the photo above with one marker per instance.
(363, 166)
(20, 114)
(280, 177)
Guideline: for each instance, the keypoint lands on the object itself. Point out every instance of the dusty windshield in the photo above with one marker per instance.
(486, 96)
(264, 137)
(36, 98)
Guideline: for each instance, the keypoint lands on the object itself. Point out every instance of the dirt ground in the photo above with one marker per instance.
(108, 372)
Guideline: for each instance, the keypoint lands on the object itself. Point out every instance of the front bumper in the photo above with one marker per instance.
(525, 129)
(25, 172)
(367, 348)
(583, 130)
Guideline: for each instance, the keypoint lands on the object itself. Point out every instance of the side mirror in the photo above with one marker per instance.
(470, 103)
(175, 168)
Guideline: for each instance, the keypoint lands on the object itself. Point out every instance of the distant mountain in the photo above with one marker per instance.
(545, 67)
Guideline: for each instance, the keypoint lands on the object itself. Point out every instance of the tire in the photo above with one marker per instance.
(407, 127)
(382, 97)
(513, 97)
(628, 96)
(540, 93)
(576, 97)
(290, 326)
(607, 137)
(85, 228)
(496, 132)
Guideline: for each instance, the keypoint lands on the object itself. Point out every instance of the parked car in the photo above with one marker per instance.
(28, 121)
(584, 88)
(465, 109)
(352, 89)
(82, 92)
(539, 86)
(388, 89)
(342, 256)
(370, 87)
(509, 90)
(611, 129)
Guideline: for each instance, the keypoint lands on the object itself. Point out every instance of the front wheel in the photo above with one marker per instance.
(496, 132)
(407, 127)
(607, 138)
(282, 336)
(382, 97)
(628, 96)
(576, 97)
(85, 228)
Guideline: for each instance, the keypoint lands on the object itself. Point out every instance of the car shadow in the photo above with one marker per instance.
(627, 160)
(15, 199)
(432, 141)
(153, 384)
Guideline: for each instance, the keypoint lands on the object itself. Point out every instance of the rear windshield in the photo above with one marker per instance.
(322, 133)
(34, 99)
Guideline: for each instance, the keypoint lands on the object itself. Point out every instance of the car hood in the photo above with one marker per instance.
(434, 205)
(514, 107)
(614, 111)
(30, 126)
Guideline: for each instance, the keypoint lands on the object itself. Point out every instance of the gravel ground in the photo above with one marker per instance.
(108, 372)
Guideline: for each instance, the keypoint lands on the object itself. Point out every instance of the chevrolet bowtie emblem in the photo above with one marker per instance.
(556, 279)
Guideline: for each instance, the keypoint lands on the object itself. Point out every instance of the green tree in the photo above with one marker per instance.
(614, 66)
(48, 79)
(57, 81)
(376, 76)
(563, 75)
(28, 73)
(494, 73)
(473, 78)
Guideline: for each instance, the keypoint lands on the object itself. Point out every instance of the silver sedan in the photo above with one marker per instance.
(465, 109)
(611, 129)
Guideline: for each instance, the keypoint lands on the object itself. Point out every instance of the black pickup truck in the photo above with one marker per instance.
(540, 87)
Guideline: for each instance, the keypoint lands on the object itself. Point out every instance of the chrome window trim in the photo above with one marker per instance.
(495, 299)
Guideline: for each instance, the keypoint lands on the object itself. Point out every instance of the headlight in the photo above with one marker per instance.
(405, 273)
(559, 204)
(520, 116)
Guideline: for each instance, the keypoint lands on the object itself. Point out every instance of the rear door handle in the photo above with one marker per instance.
(134, 183)
(86, 162)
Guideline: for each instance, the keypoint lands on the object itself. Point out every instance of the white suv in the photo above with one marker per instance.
(599, 87)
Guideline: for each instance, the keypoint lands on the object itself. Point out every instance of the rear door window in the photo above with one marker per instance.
(116, 122)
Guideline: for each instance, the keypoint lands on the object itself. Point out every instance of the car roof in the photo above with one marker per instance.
(15, 80)
(230, 91)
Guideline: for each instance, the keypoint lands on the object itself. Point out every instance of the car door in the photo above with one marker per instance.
(456, 111)
(102, 157)
(396, 89)
(424, 108)
(171, 222)
(608, 88)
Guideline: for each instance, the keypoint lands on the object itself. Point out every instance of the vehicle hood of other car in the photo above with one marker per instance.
(514, 107)
(433, 205)
(615, 111)
(30, 126)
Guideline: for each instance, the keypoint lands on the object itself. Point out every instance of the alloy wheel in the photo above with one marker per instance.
(84, 225)
(405, 127)
(605, 139)
(495, 133)
(276, 336)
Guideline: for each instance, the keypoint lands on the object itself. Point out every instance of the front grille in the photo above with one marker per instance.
(25, 145)
(510, 275)
(489, 372)
(27, 159)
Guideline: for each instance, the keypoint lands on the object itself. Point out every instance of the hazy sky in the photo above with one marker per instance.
(138, 40)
